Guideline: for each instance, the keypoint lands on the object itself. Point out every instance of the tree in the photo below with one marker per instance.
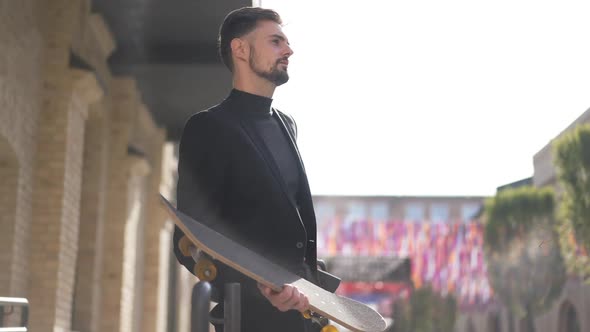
(425, 311)
(572, 158)
(525, 267)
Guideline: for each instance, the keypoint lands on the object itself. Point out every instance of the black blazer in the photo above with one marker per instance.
(228, 179)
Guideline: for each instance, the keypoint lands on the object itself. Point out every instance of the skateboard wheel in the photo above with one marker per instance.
(184, 245)
(329, 328)
(306, 314)
(205, 270)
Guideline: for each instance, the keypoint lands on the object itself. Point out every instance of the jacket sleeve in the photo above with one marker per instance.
(201, 166)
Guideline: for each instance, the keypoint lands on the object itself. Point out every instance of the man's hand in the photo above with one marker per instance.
(290, 298)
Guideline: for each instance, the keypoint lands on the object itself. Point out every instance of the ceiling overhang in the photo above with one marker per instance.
(170, 48)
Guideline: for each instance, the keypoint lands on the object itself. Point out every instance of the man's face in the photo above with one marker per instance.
(269, 52)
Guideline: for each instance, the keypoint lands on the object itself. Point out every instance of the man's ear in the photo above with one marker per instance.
(240, 48)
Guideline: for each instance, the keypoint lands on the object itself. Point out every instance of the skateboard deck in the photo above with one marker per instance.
(349, 313)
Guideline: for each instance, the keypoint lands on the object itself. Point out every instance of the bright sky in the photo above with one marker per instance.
(431, 97)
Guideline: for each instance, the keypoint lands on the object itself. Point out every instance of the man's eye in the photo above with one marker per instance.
(275, 41)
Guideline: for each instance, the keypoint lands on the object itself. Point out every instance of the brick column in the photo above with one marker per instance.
(133, 258)
(158, 246)
(184, 287)
(94, 44)
(20, 63)
(125, 101)
(57, 174)
(56, 197)
(92, 209)
(165, 229)
(47, 268)
(184, 281)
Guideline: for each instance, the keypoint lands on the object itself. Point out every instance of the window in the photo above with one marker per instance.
(379, 211)
(468, 211)
(439, 212)
(324, 212)
(414, 212)
(356, 211)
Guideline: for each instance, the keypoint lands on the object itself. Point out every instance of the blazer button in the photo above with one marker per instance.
(299, 245)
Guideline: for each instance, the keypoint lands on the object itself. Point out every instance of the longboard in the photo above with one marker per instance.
(349, 313)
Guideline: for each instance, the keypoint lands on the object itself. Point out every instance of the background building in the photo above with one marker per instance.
(408, 208)
(439, 236)
(572, 310)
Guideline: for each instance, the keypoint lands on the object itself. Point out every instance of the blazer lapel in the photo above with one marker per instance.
(306, 203)
(291, 139)
(309, 223)
(270, 162)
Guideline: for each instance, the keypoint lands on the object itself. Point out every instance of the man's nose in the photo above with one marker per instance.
(289, 51)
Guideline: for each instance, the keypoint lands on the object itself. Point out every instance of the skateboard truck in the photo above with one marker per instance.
(204, 268)
(321, 321)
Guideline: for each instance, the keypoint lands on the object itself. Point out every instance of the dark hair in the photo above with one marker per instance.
(239, 23)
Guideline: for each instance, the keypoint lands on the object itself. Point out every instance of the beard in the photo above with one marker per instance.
(274, 74)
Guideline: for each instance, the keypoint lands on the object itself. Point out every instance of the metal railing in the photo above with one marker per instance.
(201, 301)
(7, 305)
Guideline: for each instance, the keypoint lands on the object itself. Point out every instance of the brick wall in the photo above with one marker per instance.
(20, 42)
(66, 170)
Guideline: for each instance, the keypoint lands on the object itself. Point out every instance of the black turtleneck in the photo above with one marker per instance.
(257, 110)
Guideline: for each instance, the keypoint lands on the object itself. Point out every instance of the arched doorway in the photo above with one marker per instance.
(568, 318)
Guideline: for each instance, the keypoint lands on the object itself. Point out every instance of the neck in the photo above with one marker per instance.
(250, 104)
(253, 84)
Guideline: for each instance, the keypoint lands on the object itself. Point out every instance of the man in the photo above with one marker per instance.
(240, 172)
